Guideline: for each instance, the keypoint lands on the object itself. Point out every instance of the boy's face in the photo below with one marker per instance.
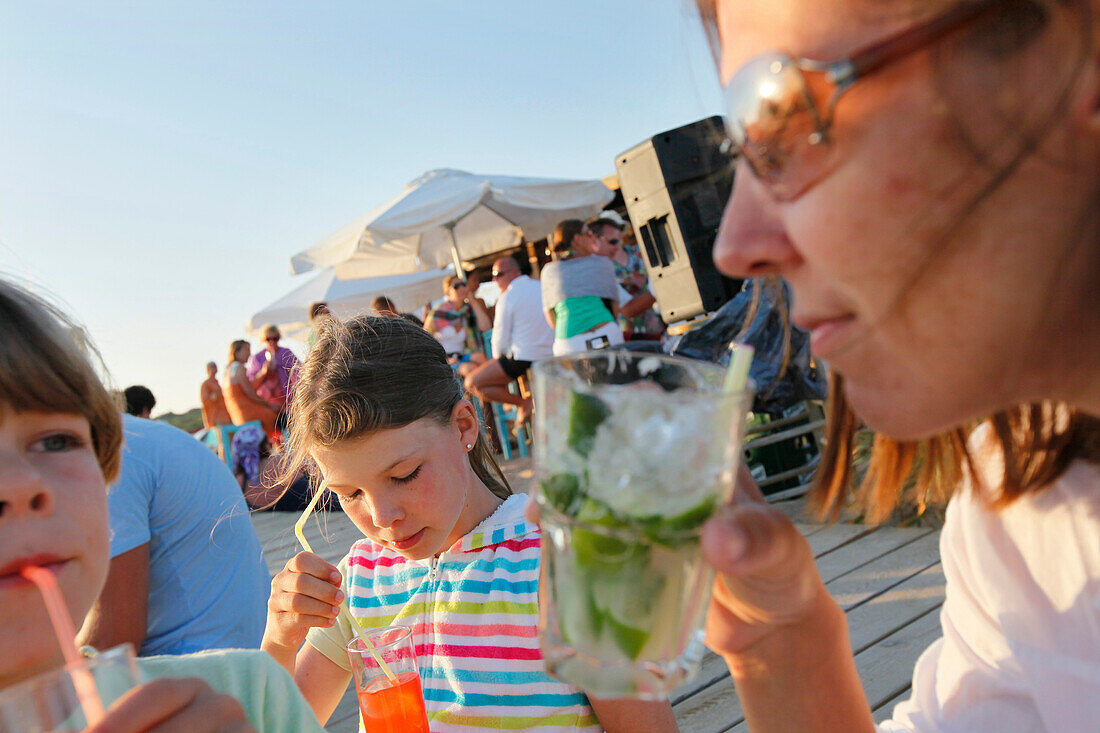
(53, 513)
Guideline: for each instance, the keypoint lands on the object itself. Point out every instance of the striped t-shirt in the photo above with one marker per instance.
(474, 616)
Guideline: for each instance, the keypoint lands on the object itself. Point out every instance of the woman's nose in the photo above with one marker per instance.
(752, 241)
(23, 492)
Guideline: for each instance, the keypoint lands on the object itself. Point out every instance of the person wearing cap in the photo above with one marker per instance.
(520, 336)
(637, 316)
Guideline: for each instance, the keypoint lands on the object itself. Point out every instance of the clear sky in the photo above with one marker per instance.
(161, 161)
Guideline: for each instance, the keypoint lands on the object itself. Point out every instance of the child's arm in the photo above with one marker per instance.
(303, 595)
(629, 715)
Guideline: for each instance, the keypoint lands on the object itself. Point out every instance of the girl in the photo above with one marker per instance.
(447, 551)
(60, 439)
(579, 292)
(934, 203)
(241, 398)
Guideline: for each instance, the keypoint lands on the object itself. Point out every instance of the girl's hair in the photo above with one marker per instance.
(46, 365)
(373, 373)
(234, 348)
(1039, 440)
(561, 241)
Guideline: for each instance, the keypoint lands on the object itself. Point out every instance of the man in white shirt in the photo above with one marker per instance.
(520, 336)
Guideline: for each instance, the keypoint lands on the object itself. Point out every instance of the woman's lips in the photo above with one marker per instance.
(409, 542)
(826, 334)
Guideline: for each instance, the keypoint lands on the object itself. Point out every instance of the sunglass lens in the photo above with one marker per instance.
(775, 123)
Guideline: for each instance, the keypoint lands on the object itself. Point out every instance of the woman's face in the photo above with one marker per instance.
(933, 314)
(243, 353)
(53, 513)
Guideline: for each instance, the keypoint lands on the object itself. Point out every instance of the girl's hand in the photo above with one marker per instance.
(767, 578)
(174, 704)
(304, 594)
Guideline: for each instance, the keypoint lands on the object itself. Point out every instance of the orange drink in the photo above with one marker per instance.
(387, 681)
(389, 708)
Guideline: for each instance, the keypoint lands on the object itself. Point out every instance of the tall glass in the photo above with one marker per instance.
(49, 702)
(387, 681)
(633, 453)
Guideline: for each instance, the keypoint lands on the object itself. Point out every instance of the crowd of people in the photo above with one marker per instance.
(932, 202)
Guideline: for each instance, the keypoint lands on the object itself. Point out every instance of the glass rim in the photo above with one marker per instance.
(403, 633)
(553, 367)
(122, 652)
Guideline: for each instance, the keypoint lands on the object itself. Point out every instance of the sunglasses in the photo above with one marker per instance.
(779, 108)
(272, 338)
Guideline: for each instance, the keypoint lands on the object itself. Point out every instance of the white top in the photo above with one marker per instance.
(519, 326)
(1021, 620)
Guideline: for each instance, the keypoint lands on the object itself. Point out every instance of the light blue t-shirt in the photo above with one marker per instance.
(208, 582)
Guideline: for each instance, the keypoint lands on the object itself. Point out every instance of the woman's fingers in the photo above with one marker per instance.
(174, 706)
(767, 576)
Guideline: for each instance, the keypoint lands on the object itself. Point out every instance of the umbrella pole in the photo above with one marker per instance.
(454, 251)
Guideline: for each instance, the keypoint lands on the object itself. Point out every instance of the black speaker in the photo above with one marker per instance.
(675, 186)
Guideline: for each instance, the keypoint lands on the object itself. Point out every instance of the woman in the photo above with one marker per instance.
(214, 411)
(579, 292)
(457, 323)
(241, 399)
(937, 222)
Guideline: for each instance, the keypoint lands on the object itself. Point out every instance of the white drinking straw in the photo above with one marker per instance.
(345, 614)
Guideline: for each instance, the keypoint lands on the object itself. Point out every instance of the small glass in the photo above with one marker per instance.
(49, 702)
(388, 705)
(633, 453)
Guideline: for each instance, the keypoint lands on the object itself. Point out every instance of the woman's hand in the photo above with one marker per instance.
(767, 578)
(306, 593)
(174, 705)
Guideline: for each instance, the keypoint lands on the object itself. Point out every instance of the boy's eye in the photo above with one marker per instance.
(409, 477)
(59, 442)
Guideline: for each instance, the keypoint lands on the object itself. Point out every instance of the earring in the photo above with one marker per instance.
(469, 447)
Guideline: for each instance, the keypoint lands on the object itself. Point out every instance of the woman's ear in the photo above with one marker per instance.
(464, 418)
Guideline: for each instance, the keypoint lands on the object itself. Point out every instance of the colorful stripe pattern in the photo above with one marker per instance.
(474, 615)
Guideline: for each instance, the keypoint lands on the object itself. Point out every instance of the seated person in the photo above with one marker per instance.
(187, 571)
(457, 323)
(241, 399)
(579, 292)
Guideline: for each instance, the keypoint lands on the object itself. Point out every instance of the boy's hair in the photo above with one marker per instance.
(383, 302)
(46, 366)
(317, 309)
(374, 373)
(139, 398)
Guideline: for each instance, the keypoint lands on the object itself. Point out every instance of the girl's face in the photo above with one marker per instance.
(934, 314)
(243, 353)
(53, 513)
(411, 488)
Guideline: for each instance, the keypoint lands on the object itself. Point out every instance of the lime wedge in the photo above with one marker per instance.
(628, 638)
(563, 492)
(586, 412)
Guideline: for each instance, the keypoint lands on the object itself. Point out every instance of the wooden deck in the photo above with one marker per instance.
(889, 581)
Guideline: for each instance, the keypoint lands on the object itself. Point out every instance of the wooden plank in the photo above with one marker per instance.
(849, 557)
(882, 606)
(908, 559)
(884, 711)
(836, 536)
(785, 435)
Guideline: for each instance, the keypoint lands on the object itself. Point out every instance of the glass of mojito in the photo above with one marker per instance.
(633, 452)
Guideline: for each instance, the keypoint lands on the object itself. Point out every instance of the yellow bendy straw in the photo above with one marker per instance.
(299, 526)
(738, 372)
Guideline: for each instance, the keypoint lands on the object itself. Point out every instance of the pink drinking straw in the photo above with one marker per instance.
(66, 637)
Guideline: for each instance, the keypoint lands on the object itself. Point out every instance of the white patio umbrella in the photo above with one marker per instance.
(446, 215)
(346, 298)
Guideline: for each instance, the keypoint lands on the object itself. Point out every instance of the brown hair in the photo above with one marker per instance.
(233, 349)
(46, 364)
(1038, 440)
(561, 241)
(373, 373)
(319, 308)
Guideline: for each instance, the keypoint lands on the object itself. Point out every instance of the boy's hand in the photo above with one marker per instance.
(304, 594)
(174, 704)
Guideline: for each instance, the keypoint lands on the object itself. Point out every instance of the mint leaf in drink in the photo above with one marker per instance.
(586, 412)
(563, 492)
